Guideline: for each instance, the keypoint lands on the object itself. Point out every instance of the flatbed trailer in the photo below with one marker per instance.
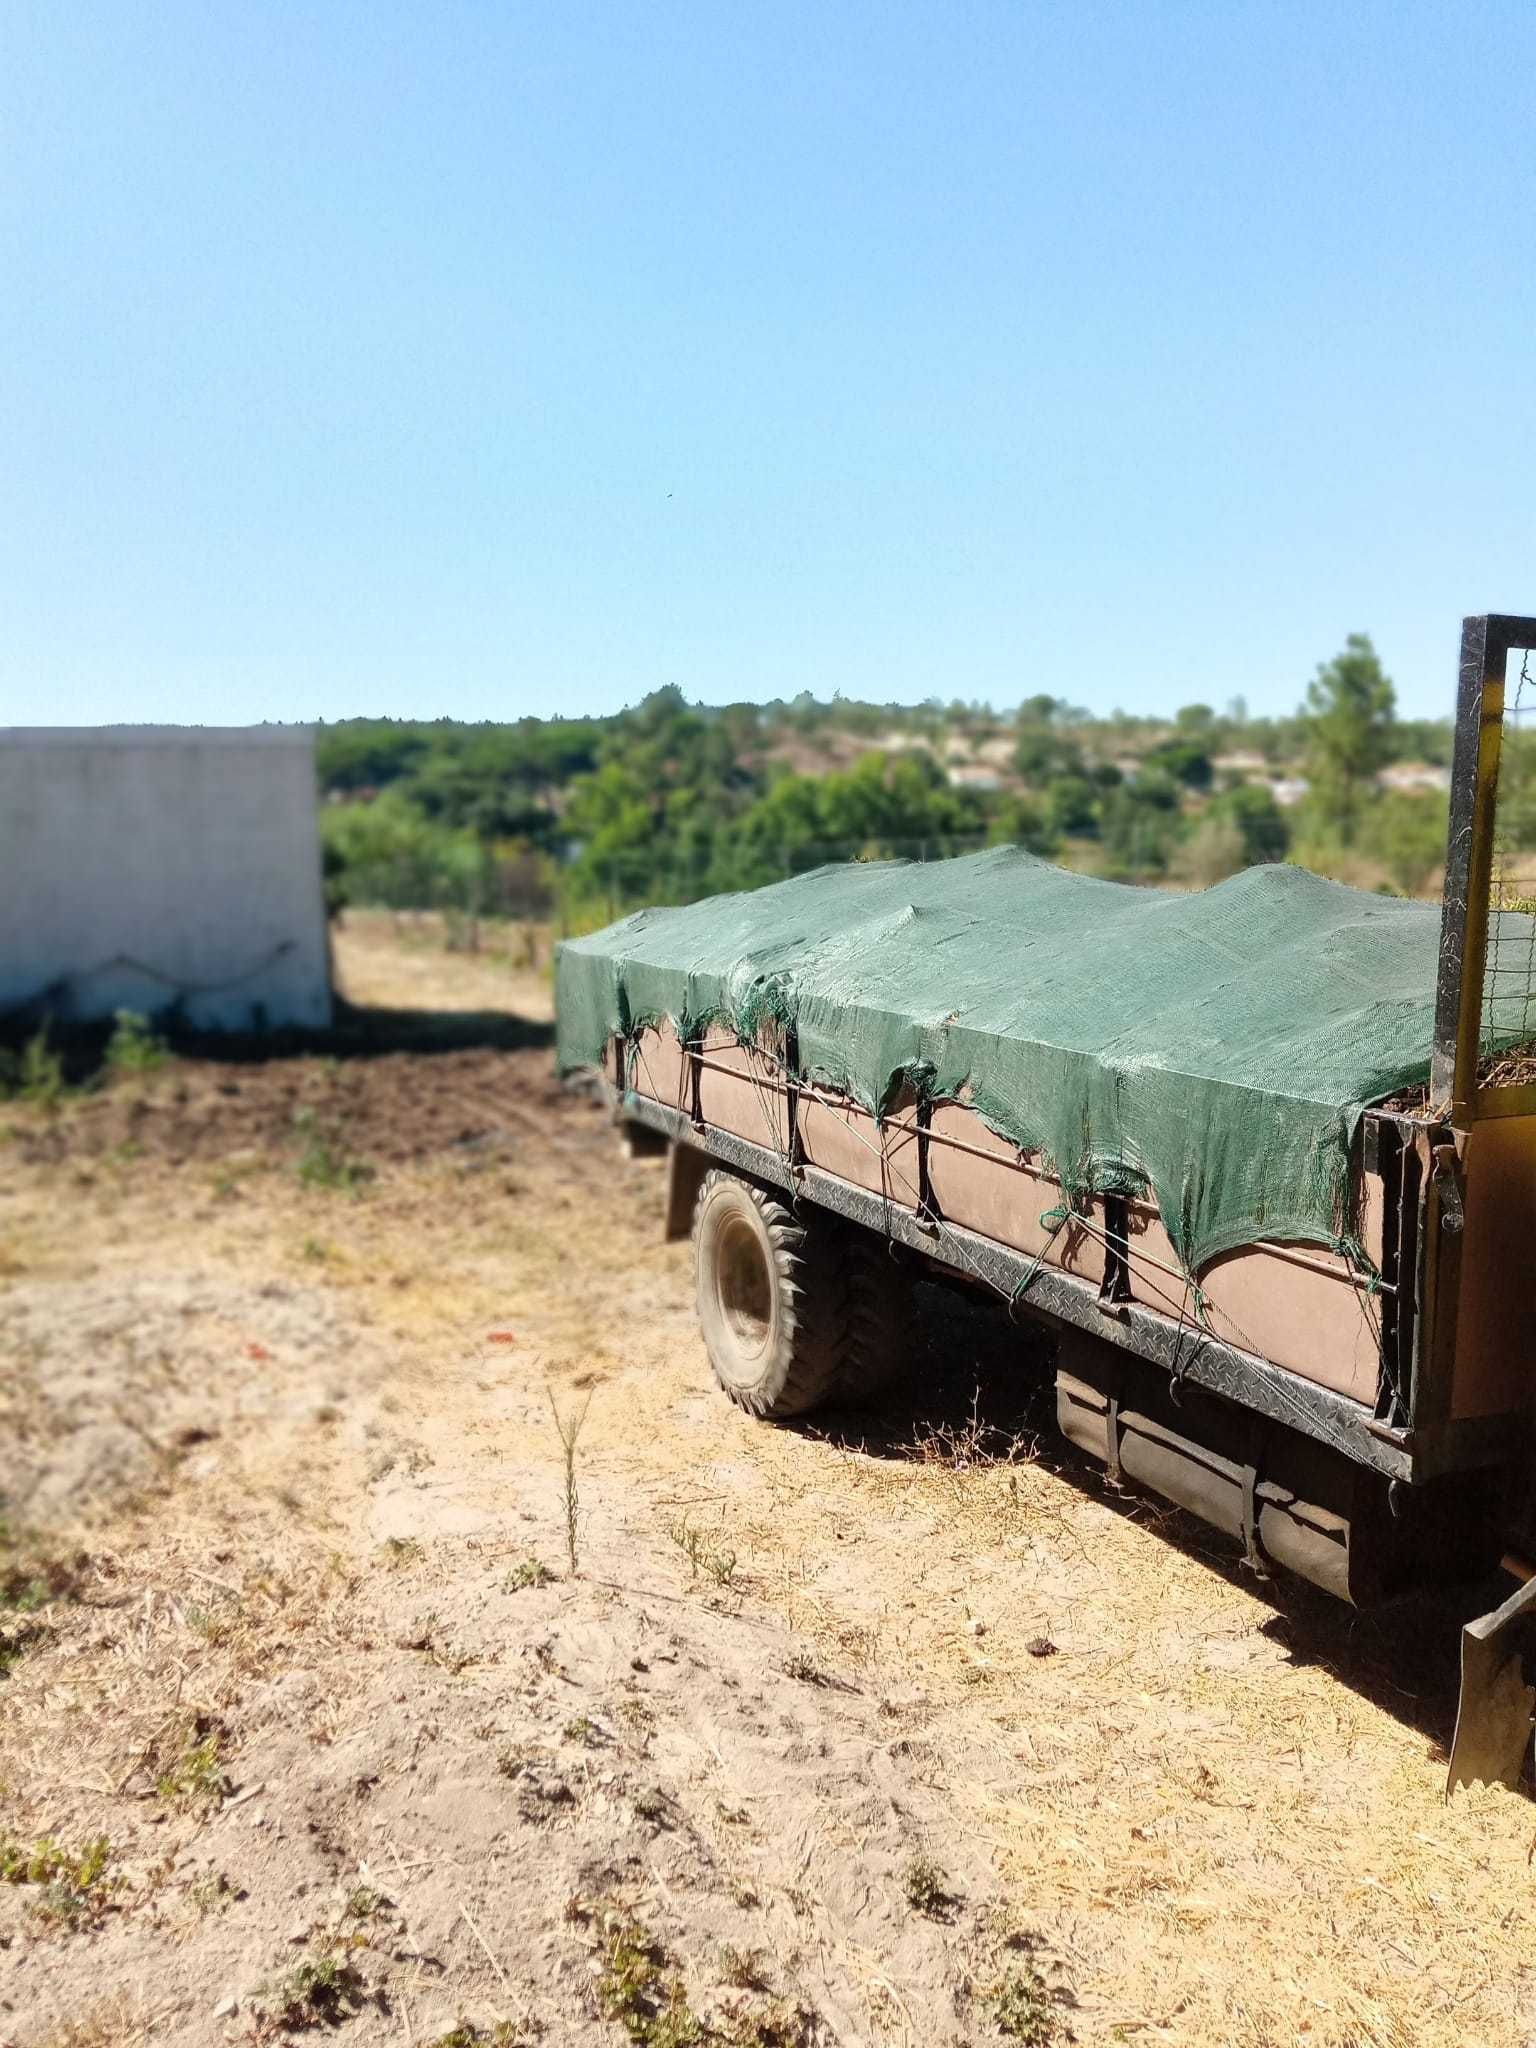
(1363, 1415)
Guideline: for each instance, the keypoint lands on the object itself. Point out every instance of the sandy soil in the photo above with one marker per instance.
(884, 1731)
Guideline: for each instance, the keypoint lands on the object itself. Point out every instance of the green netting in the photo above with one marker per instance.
(1216, 1048)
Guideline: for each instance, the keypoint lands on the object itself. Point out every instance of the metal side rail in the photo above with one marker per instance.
(1188, 1353)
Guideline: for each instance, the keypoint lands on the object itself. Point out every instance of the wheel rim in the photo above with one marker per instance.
(744, 1287)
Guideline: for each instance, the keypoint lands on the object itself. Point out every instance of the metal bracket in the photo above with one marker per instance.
(1447, 1178)
(927, 1206)
(1493, 1715)
(795, 1141)
(1115, 1288)
(693, 1049)
(1112, 1440)
(1253, 1555)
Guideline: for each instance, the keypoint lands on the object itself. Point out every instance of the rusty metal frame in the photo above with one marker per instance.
(1486, 643)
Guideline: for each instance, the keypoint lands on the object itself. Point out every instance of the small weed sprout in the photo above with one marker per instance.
(742, 1968)
(1023, 2009)
(639, 1722)
(211, 1893)
(776, 2026)
(319, 1991)
(422, 1633)
(652, 1804)
(636, 1989)
(133, 1047)
(720, 1565)
(214, 1624)
(809, 1672)
(325, 1161)
(530, 1571)
(30, 1579)
(504, 2034)
(197, 1779)
(73, 1893)
(453, 1657)
(925, 1885)
(399, 1551)
(569, 1427)
(585, 1731)
(971, 1446)
(15, 1642)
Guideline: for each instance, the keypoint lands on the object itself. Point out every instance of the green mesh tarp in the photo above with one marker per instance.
(1216, 1048)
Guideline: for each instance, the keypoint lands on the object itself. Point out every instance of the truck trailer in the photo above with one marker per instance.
(1262, 1156)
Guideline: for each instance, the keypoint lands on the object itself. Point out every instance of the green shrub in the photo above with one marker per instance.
(35, 1074)
(133, 1047)
(325, 1161)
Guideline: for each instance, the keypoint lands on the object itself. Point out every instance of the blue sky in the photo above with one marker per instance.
(491, 359)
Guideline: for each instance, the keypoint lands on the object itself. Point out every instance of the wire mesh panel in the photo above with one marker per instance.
(1485, 999)
(1507, 1040)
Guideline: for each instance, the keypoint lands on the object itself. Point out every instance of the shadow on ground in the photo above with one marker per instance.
(359, 1031)
(982, 1389)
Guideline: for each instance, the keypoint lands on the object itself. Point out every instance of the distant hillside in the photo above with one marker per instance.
(669, 800)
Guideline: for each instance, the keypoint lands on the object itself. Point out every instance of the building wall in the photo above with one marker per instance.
(142, 866)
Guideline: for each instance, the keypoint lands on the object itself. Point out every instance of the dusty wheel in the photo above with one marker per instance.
(790, 1310)
(771, 1303)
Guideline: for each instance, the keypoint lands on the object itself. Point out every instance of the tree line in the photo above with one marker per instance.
(668, 801)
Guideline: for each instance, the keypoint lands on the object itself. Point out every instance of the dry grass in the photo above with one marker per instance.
(1515, 1068)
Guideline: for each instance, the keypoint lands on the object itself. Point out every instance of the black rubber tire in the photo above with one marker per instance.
(794, 1312)
(880, 1311)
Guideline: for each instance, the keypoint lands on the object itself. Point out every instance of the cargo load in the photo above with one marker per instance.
(1215, 1048)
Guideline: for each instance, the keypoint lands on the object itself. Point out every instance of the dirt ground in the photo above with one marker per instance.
(897, 1729)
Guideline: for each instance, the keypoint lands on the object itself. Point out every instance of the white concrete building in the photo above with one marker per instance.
(145, 867)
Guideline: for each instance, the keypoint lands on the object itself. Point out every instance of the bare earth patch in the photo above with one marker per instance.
(884, 1731)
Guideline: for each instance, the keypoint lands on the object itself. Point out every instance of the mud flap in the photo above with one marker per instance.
(1493, 1717)
(686, 1168)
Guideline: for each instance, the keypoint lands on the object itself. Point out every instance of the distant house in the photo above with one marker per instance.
(1289, 789)
(999, 749)
(973, 775)
(162, 868)
(1414, 778)
(1243, 765)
